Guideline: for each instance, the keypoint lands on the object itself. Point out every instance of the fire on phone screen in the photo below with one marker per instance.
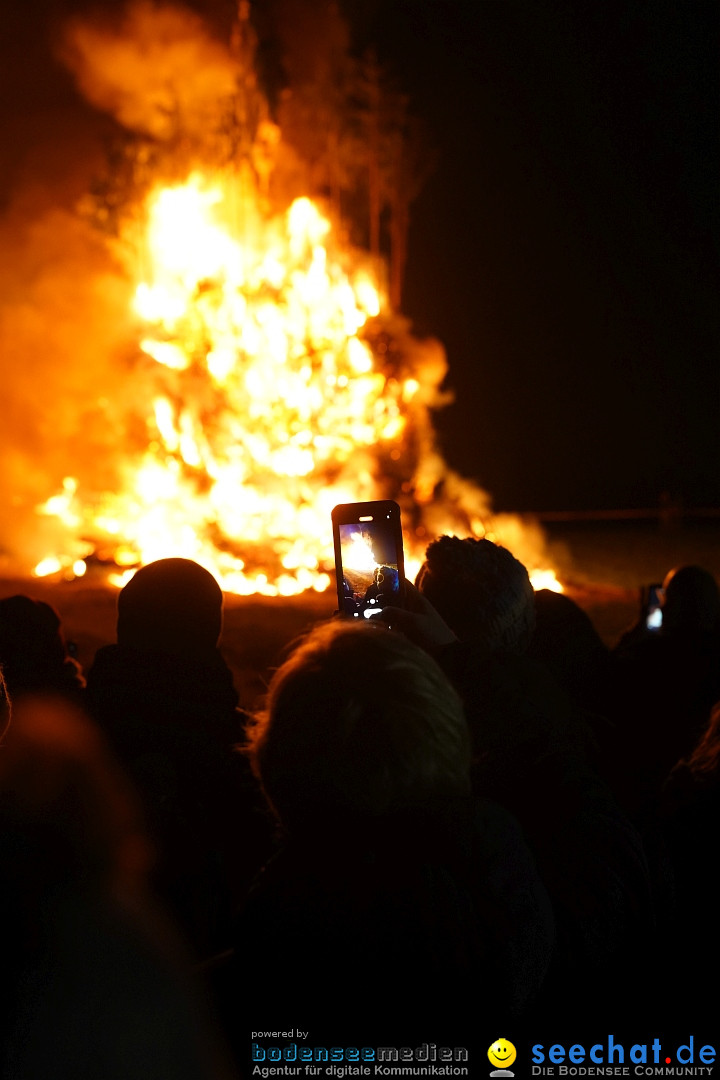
(370, 560)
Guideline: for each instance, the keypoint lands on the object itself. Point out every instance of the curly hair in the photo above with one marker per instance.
(482, 592)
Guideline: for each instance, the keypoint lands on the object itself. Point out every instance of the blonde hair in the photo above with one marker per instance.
(361, 721)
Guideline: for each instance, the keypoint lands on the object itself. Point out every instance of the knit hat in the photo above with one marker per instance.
(171, 606)
(482, 592)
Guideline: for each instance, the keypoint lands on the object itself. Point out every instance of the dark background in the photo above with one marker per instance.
(564, 250)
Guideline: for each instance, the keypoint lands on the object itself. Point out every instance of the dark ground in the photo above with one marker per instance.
(603, 565)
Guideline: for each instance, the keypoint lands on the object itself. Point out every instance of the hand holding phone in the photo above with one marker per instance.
(419, 621)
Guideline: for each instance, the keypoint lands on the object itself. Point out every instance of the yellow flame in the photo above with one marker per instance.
(546, 579)
(48, 566)
(264, 400)
(358, 554)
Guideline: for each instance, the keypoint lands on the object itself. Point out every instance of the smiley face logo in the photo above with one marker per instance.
(502, 1053)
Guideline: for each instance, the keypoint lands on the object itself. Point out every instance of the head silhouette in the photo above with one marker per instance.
(482, 592)
(171, 606)
(359, 723)
(33, 653)
(691, 603)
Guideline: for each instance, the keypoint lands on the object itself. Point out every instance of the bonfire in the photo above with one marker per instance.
(266, 374)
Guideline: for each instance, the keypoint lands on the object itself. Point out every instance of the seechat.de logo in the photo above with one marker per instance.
(502, 1054)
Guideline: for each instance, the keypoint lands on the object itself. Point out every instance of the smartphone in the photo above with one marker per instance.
(653, 607)
(369, 563)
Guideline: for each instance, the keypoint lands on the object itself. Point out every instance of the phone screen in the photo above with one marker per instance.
(653, 613)
(368, 556)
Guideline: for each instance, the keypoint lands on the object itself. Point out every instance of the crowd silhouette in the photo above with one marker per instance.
(467, 808)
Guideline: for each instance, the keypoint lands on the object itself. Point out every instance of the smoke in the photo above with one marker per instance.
(63, 326)
(67, 341)
(156, 69)
(74, 395)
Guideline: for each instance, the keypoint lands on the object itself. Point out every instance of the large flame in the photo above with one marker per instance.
(273, 382)
(270, 405)
(358, 554)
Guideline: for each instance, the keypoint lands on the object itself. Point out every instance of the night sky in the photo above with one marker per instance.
(564, 249)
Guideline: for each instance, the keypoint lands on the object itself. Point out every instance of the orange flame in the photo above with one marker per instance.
(270, 407)
(272, 380)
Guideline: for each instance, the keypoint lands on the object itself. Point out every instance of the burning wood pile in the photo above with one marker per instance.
(259, 373)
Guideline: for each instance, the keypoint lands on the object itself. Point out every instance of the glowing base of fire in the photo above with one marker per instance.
(273, 383)
(53, 567)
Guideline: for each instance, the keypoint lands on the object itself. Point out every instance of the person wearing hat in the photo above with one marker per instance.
(165, 698)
